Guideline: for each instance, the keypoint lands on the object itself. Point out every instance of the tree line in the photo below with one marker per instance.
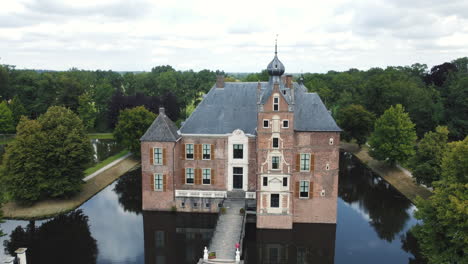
(97, 96)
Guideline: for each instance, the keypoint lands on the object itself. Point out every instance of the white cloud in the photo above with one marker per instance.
(313, 36)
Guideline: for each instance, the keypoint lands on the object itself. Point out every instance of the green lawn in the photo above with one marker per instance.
(110, 159)
(100, 135)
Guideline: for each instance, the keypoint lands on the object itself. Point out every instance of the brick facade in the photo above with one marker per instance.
(293, 174)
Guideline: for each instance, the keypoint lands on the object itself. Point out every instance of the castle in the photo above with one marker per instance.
(272, 142)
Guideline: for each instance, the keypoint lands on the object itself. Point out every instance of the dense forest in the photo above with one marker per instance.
(98, 96)
(432, 97)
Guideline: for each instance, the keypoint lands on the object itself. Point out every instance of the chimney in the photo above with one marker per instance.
(276, 87)
(220, 81)
(162, 111)
(283, 79)
(289, 81)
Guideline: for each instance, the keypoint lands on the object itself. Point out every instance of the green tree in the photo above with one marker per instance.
(427, 161)
(47, 158)
(356, 122)
(7, 122)
(131, 126)
(443, 233)
(394, 136)
(87, 111)
(17, 109)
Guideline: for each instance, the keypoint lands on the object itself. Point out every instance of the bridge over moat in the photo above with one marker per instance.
(229, 231)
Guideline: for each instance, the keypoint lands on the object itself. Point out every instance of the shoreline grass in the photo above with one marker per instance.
(100, 135)
(52, 207)
(103, 163)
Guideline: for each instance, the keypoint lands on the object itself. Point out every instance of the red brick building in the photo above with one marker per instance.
(272, 142)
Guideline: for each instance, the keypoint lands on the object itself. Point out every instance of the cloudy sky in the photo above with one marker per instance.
(235, 36)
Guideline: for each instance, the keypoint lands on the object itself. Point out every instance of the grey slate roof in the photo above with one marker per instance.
(224, 110)
(162, 129)
(310, 114)
(235, 107)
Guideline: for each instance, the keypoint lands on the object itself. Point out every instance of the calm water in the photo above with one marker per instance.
(373, 220)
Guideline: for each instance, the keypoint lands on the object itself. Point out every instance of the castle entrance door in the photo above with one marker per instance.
(237, 176)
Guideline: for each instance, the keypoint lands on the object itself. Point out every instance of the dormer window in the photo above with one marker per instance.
(284, 92)
(275, 162)
(275, 103)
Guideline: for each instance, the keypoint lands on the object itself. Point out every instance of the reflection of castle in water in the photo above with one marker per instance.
(181, 237)
(305, 243)
(176, 237)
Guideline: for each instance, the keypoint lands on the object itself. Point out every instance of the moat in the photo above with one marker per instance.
(372, 227)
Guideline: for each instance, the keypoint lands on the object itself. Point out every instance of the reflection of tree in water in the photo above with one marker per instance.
(128, 189)
(410, 244)
(386, 207)
(63, 239)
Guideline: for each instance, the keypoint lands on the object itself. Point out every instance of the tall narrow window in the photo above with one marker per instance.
(275, 103)
(238, 151)
(275, 162)
(206, 176)
(275, 142)
(285, 181)
(189, 151)
(158, 182)
(189, 175)
(158, 156)
(206, 151)
(274, 200)
(305, 162)
(304, 189)
(265, 181)
(266, 123)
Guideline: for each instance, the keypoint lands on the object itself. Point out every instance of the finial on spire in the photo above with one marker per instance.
(276, 44)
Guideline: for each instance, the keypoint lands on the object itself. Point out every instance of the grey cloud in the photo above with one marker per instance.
(119, 9)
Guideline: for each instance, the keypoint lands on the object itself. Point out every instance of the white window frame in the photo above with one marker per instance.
(203, 175)
(279, 200)
(263, 181)
(287, 181)
(306, 188)
(282, 123)
(301, 160)
(327, 166)
(268, 121)
(203, 151)
(273, 143)
(279, 162)
(193, 175)
(330, 141)
(158, 181)
(156, 154)
(276, 98)
(234, 150)
(192, 150)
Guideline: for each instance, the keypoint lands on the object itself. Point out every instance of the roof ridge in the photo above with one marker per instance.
(168, 127)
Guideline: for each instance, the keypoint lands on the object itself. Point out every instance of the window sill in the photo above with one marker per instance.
(206, 159)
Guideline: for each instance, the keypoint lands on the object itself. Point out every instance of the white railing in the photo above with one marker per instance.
(250, 195)
(201, 194)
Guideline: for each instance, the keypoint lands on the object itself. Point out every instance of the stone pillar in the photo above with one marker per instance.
(21, 253)
(205, 254)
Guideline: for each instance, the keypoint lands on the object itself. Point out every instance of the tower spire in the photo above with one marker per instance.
(276, 45)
